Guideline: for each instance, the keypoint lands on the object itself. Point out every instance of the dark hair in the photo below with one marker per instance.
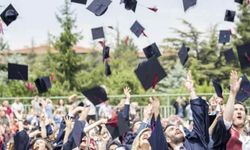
(169, 125)
(113, 142)
(240, 103)
(48, 146)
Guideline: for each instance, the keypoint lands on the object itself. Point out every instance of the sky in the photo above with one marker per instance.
(37, 18)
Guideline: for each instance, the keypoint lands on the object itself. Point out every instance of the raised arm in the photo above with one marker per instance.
(189, 84)
(234, 88)
(68, 129)
(199, 108)
(42, 125)
(97, 123)
(126, 92)
(157, 139)
(147, 115)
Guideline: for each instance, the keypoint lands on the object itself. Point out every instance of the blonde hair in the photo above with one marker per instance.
(136, 143)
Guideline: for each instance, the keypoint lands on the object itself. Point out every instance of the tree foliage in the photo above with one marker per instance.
(76, 72)
(67, 61)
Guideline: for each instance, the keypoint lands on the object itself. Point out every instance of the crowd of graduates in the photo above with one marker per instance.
(214, 124)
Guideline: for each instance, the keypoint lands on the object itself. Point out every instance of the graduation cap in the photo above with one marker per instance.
(224, 36)
(43, 84)
(244, 55)
(229, 16)
(188, 3)
(97, 33)
(154, 9)
(17, 71)
(79, 1)
(9, 15)
(238, 1)
(244, 91)
(99, 7)
(150, 72)
(118, 126)
(218, 88)
(152, 50)
(183, 54)
(105, 52)
(229, 55)
(21, 140)
(137, 28)
(130, 4)
(107, 69)
(96, 95)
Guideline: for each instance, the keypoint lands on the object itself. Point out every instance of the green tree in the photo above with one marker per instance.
(243, 25)
(190, 36)
(205, 56)
(67, 61)
(3, 44)
(242, 35)
(123, 44)
(174, 79)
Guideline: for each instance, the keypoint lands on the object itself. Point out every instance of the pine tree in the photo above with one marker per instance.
(242, 35)
(67, 60)
(3, 44)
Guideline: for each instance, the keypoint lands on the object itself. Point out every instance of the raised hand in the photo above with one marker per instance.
(147, 113)
(104, 120)
(42, 118)
(68, 122)
(155, 106)
(188, 82)
(234, 82)
(84, 113)
(126, 92)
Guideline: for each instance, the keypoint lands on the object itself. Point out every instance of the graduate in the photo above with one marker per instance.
(198, 138)
(229, 132)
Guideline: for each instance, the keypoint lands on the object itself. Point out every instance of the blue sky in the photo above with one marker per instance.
(37, 18)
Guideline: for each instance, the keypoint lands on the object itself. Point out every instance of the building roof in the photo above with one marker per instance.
(43, 49)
